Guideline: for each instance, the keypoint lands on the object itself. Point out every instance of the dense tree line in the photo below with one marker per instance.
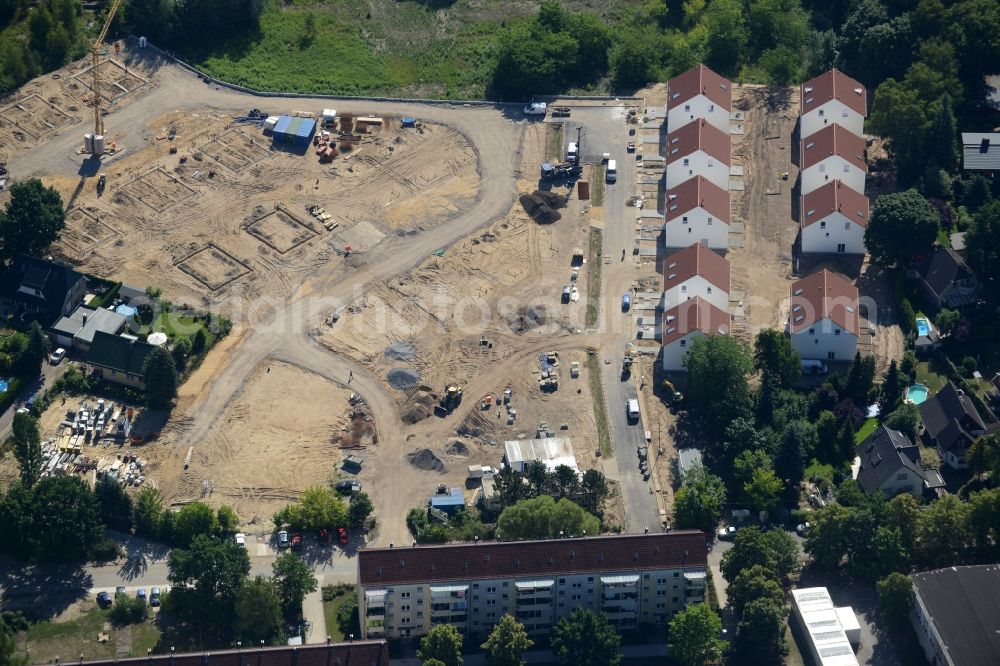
(38, 37)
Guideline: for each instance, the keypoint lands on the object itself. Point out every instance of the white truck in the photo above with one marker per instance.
(632, 409)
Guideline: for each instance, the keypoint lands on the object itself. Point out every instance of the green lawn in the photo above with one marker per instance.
(368, 48)
(932, 380)
(597, 185)
(330, 609)
(69, 640)
(867, 428)
(600, 411)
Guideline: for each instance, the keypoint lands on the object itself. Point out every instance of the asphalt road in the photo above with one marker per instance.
(605, 131)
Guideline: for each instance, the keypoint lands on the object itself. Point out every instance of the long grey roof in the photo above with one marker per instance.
(963, 607)
(82, 323)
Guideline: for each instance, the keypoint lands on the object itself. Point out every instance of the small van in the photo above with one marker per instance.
(632, 408)
(571, 152)
(611, 174)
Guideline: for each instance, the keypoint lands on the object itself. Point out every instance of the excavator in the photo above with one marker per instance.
(450, 401)
(676, 397)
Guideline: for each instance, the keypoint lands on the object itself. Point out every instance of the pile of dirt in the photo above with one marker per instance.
(457, 448)
(542, 205)
(400, 351)
(419, 406)
(426, 460)
(403, 378)
(528, 318)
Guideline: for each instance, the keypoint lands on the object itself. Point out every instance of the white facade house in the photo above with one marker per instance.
(683, 324)
(833, 220)
(823, 319)
(696, 271)
(633, 579)
(830, 154)
(698, 149)
(698, 211)
(832, 97)
(699, 93)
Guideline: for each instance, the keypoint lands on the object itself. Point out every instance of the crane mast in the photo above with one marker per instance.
(95, 53)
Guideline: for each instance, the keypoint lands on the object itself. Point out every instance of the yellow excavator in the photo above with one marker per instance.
(675, 395)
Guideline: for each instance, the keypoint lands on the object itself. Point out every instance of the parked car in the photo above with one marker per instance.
(296, 541)
(120, 592)
(535, 109)
(626, 302)
(283, 541)
(727, 533)
(57, 356)
(103, 599)
(342, 535)
(348, 486)
(140, 594)
(154, 596)
(802, 528)
(241, 539)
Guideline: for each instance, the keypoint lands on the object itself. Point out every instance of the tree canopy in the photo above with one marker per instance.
(57, 519)
(27, 447)
(586, 638)
(545, 518)
(717, 371)
(32, 219)
(700, 500)
(442, 642)
(159, 374)
(694, 636)
(902, 225)
(294, 579)
(773, 353)
(983, 249)
(507, 643)
(318, 508)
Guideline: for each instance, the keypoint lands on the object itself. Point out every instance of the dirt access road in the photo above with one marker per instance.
(279, 329)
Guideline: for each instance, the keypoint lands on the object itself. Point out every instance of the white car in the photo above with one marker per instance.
(57, 356)
(727, 533)
(535, 109)
(241, 539)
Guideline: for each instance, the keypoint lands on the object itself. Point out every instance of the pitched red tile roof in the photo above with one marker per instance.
(831, 85)
(698, 192)
(693, 260)
(696, 314)
(516, 559)
(700, 80)
(698, 135)
(824, 295)
(356, 653)
(833, 140)
(834, 196)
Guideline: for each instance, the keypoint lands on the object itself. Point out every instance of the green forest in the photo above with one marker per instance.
(503, 50)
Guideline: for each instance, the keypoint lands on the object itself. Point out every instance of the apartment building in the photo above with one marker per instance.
(638, 578)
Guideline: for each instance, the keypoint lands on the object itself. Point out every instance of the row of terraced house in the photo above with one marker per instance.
(824, 317)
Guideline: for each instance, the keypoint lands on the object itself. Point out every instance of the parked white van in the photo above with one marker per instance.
(611, 174)
(632, 407)
(571, 152)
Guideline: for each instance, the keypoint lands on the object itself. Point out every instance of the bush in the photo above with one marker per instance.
(106, 551)
(128, 610)
(969, 365)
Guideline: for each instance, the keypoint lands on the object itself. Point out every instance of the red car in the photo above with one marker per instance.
(342, 535)
(296, 541)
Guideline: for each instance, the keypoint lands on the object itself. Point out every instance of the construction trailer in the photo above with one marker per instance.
(293, 130)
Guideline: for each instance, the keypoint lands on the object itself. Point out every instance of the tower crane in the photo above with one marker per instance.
(94, 53)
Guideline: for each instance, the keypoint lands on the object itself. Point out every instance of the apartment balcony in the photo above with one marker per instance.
(696, 579)
(620, 607)
(448, 593)
(536, 589)
(375, 598)
(375, 612)
(374, 623)
(534, 601)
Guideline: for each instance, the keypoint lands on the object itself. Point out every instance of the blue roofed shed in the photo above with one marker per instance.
(454, 500)
(294, 130)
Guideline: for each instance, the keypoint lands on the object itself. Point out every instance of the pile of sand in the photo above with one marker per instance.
(418, 407)
(426, 460)
(403, 378)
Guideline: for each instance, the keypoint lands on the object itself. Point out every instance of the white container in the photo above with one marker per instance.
(88, 143)
(329, 114)
(270, 123)
(98, 144)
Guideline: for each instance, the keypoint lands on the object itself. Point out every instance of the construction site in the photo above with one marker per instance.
(392, 297)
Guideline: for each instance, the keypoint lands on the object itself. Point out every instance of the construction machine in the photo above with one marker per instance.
(96, 142)
(451, 399)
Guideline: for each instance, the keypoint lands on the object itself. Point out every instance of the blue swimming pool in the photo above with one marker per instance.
(917, 393)
(3, 385)
(923, 326)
